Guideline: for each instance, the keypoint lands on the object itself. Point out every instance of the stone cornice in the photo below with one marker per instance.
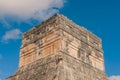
(60, 19)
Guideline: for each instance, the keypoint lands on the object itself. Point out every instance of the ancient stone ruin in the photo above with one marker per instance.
(59, 49)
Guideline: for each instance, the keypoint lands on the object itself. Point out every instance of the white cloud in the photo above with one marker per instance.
(12, 35)
(27, 9)
(4, 22)
(114, 78)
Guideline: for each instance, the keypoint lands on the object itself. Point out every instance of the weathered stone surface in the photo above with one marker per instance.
(43, 69)
(58, 67)
(58, 49)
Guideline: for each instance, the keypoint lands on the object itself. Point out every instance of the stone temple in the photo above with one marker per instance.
(59, 49)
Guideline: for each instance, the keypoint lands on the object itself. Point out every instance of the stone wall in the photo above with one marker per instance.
(59, 49)
(43, 40)
(58, 67)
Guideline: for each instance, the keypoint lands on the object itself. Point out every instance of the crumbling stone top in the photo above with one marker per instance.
(59, 18)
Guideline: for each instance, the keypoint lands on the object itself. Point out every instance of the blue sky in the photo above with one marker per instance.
(100, 17)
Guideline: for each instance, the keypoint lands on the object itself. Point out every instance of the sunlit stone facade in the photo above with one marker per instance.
(59, 49)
